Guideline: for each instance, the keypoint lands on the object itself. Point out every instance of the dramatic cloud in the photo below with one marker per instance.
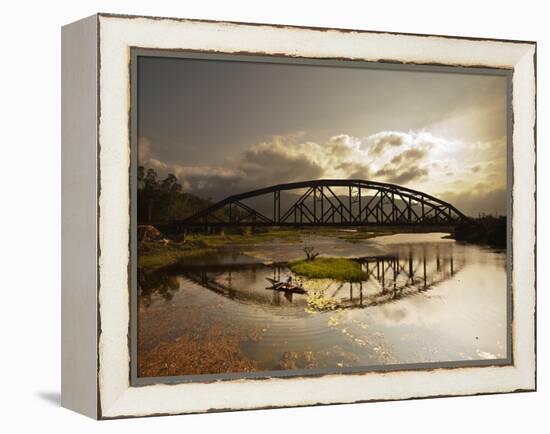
(402, 177)
(405, 167)
(410, 155)
(470, 175)
(281, 160)
(378, 143)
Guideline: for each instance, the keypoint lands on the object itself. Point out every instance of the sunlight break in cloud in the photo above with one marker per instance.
(466, 174)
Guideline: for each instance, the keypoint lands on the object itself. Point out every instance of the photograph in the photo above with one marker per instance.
(297, 217)
(282, 216)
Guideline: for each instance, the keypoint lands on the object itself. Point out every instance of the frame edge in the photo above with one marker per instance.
(79, 390)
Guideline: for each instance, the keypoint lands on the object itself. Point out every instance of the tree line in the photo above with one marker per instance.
(160, 201)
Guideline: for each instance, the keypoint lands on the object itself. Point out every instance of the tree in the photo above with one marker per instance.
(168, 183)
(309, 253)
(148, 195)
(151, 179)
(161, 201)
(141, 178)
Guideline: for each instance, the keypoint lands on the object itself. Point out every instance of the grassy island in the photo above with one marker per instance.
(343, 269)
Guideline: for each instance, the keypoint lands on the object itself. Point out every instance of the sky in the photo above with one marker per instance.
(224, 127)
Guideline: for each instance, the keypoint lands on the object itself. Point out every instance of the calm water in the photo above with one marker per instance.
(426, 299)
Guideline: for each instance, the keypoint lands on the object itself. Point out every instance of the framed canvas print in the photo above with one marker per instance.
(260, 216)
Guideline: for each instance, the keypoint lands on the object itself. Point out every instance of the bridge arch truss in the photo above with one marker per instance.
(328, 202)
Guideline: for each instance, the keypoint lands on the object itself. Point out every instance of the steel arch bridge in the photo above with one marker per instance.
(329, 202)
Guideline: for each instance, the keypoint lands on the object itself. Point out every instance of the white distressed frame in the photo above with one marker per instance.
(116, 35)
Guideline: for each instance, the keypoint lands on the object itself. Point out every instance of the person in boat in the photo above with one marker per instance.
(288, 282)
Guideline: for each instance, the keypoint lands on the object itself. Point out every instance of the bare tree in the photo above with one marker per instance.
(309, 253)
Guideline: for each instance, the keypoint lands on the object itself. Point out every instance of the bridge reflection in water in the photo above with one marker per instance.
(388, 278)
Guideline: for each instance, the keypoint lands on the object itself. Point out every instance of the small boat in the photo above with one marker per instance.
(274, 281)
(277, 285)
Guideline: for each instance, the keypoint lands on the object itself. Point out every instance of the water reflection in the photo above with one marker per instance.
(389, 277)
(161, 283)
(423, 299)
(393, 277)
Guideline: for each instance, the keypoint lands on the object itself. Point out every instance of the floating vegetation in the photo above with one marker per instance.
(297, 360)
(216, 349)
(337, 318)
(318, 301)
(328, 358)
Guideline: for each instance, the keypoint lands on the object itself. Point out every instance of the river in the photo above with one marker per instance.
(426, 298)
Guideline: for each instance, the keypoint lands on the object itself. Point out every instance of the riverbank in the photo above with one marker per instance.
(489, 231)
(281, 235)
(153, 255)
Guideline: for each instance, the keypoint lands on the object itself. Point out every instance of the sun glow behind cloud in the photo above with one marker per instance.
(469, 175)
(224, 127)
